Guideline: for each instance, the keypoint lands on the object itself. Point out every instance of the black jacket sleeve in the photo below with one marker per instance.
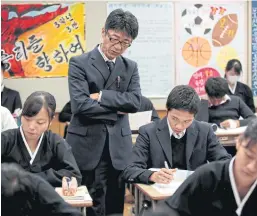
(136, 171)
(245, 112)
(65, 114)
(64, 165)
(81, 103)
(249, 98)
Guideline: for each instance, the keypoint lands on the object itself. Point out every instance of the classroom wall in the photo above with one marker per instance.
(95, 17)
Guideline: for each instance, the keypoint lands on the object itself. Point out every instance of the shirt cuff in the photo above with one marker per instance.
(100, 96)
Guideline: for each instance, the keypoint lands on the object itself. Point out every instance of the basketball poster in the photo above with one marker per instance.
(208, 35)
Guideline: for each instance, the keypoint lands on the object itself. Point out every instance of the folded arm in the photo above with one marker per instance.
(129, 101)
(81, 103)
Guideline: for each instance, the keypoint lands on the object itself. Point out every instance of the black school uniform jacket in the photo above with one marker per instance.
(53, 161)
(36, 198)
(208, 192)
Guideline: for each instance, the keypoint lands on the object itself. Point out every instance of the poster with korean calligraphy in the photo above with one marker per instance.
(208, 35)
(39, 39)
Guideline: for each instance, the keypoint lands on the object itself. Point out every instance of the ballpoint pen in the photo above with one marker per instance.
(166, 165)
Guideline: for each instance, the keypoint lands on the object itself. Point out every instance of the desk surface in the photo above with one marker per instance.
(149, 191)
(76, 203)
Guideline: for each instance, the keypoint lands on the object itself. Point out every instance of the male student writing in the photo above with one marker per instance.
(178, 139)
(225, 110)
(224, 188)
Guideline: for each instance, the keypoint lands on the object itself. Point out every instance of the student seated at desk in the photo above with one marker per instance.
(37, 149)
(224, 188)
(232, 74)
(225, 110)
(178, 139)
(25, 194)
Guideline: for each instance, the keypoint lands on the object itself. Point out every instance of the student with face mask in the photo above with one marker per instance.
(232, 74)
(38, 150)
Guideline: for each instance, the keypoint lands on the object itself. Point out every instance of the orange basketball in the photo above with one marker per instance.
(197, 51)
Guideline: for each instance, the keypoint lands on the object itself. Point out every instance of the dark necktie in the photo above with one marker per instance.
(110, 65)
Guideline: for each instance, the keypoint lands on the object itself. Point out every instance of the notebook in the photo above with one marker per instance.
(81, 194)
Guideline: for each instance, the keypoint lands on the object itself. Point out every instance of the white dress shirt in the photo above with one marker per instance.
(105, 59)
(177, 136)
(7, 120)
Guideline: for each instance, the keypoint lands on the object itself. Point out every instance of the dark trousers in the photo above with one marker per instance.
(105, 187)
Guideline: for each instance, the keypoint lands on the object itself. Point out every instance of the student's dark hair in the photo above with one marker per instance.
(183, 97)
(234, 64)
(36, 101)
(216, 87)
(15, 189)
(123, 21)
(250, 133)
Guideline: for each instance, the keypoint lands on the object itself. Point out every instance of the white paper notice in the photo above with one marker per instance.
(153, 48)
(136, 120)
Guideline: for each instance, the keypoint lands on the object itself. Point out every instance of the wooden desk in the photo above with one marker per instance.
(229, 137)
(143, 192)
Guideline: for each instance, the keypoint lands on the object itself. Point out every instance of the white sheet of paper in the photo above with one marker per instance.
(235, 131)
(179, 177)
(136, 120)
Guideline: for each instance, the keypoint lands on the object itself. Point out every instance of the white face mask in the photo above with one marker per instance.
(232, 79)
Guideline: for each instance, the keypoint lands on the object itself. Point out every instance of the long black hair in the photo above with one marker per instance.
(36, 101)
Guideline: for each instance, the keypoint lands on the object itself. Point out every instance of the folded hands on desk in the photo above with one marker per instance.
(69, 186)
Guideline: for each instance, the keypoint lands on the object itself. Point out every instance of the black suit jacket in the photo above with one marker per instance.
(65, 116)
(147, 105)
(93, 120)
(203, 112)
(10, 99)
(153, 147)
(245, 93)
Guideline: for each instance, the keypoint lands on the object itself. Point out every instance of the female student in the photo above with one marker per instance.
(35, 148)
(232, 74)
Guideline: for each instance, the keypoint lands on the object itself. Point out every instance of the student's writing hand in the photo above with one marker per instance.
(164, 176)
(69, 186)
(227, 124)
(94, 96)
